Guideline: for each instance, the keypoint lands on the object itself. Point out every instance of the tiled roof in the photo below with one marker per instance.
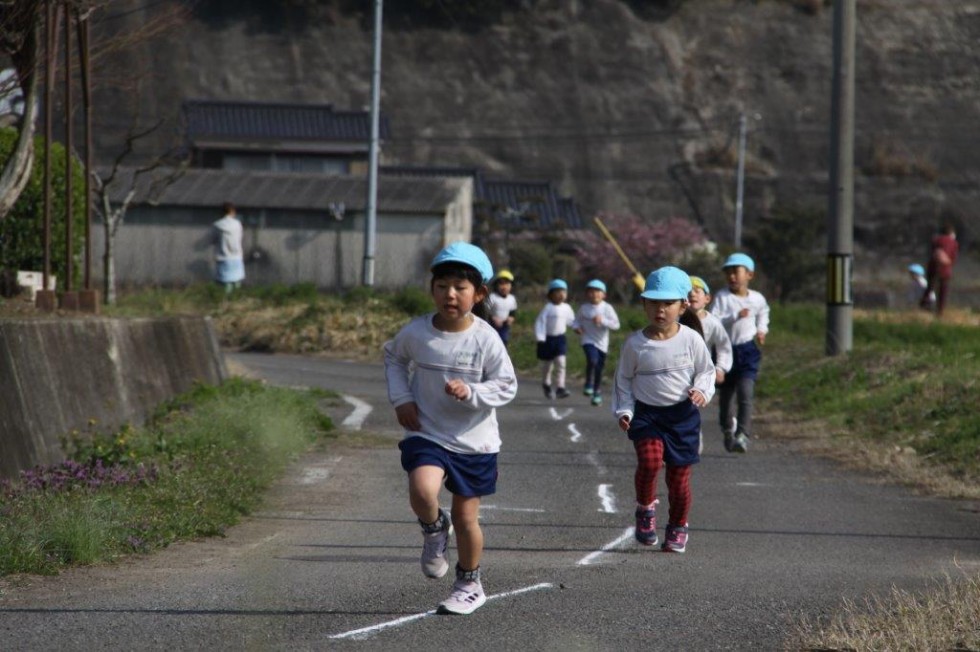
(518, 204)
(287, 190)
(211, 120)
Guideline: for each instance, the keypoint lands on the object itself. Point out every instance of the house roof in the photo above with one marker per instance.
(198, 187)
(213, 121)
(519, 204)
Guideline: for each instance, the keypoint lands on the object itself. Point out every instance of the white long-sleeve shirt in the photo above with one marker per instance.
(592, 333)
(501, 307)
(716, 337)
(421, 359)
(554, 319)
(660, 372)
(227, 238)
(726, 307)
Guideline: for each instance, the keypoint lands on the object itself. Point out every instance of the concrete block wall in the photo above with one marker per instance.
(61, 374)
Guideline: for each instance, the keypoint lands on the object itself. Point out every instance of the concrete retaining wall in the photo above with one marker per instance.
(61, 374)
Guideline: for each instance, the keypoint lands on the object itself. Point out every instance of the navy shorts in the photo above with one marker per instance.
(746, 360)
(466, 475)
(679, 426)
(552, 347)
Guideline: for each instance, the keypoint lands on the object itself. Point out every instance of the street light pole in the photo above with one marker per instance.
(371, 216)
(740, 182)
(840, 231)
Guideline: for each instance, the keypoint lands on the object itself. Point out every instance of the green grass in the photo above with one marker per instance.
(911, 385)
(201, 463)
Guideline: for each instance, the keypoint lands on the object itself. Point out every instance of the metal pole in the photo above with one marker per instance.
(50, 44)
(83, 44)
(740, 182)
(371, 217)
(68, 148)
(840, 231)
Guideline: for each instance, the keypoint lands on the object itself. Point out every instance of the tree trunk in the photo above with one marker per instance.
(17, 170)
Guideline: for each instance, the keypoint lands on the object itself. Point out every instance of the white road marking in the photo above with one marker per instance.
(366, 632)
(593, 459)
(607, 498)
(513, 509)
(592, 556)
(356, 418)
(751, 484)
(559, 416)
(576, 435)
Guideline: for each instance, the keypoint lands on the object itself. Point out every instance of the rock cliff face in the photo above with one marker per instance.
(639, 114)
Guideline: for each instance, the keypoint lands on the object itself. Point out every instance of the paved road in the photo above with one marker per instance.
(332, 560)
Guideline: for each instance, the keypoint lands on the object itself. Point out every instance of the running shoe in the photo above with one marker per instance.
(741, 443)
(596, 399)
(547, 391)
(730, 436)
(675, 538)
(435, 545)
(467, 597)
(587, 391)
(561, 392)
(646, 525)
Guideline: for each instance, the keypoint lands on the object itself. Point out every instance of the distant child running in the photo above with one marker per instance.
(664, 375)
(715, 335)
(503, 304)
(917, 285)
(593, 322)
(745, 315)
(549, 331)
(447, 372)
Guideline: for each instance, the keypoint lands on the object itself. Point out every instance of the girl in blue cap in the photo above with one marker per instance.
(664, 375)
(549, 332)
(594, 320)
(447, 372)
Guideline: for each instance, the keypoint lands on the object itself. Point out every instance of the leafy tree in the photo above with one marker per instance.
(21, 232)
(789, 247)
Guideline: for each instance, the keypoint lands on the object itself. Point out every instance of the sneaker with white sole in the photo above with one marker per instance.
(597, 399)
(730, 436)
(675, 539)
(741, 443)
(646, 524)
(435, 545)
(467, 595)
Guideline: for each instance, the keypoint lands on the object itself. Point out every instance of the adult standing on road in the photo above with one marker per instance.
(447, 373)
(228, 255)
(945, 249)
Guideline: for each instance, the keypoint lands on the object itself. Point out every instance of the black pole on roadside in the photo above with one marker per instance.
(840, 228)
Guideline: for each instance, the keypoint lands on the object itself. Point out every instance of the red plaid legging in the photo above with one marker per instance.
(649, 459)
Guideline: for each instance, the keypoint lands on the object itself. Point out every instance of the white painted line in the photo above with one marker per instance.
(559, 416)
(366, 632)
(533, 510)
(592, 556)
(593, 458)
(576, 435)
(607, 498)
(751, 484)
(356, 418)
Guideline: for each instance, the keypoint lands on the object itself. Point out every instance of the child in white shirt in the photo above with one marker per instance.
(549, 332)
(594, 320)
(503, 304)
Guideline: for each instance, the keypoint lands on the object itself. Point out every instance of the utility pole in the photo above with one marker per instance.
(740, 181)
(371, 216)
(840, 229)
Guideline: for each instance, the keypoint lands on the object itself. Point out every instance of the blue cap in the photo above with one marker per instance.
(915, 268)
(698, 282)
(596, 284)
(667, 284)
(557, 284)
(737, 260)
(467, 254)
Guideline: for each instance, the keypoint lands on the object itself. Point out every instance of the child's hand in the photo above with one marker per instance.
(761, 337)
(597, 320)
(578, 330)
(697, 397)
(458, 389)
(719, 376)
(743, 313)
(624, 423)
(497, 322)
(408, 416)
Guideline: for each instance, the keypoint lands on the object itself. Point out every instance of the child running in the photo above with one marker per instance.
(593, 322)
(664, 375)
(549, 331)
(503, 304)
(715, 335)
(745, 315)
(447, 372)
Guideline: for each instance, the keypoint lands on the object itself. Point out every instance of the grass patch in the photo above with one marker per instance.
(201, 463)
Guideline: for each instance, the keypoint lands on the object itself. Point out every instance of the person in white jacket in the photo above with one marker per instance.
(229, 258)
(549, 331)
(447, 373)
(664, 375)
(593, 321)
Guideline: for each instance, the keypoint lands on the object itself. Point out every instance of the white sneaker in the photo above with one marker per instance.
(435, 547)
(467, 597)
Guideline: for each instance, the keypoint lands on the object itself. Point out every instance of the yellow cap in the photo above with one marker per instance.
(505, 275)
